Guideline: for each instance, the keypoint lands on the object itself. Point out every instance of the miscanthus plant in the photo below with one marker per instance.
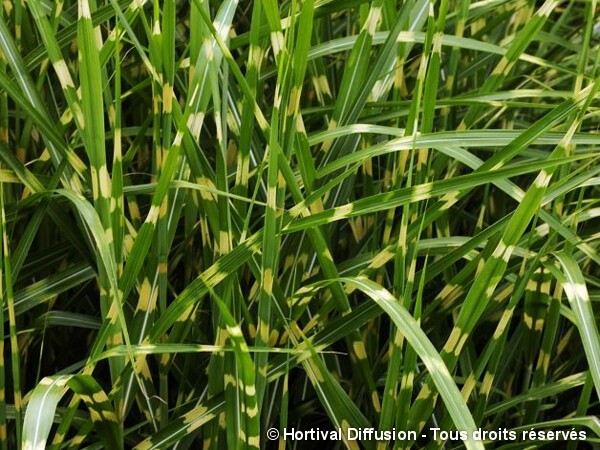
(220, 217)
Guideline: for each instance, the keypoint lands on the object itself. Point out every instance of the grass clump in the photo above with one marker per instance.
(222, 217)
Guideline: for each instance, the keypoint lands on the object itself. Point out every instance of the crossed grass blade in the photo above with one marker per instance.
(179, 177)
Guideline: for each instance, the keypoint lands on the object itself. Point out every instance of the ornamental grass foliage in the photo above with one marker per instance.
(222, 217)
